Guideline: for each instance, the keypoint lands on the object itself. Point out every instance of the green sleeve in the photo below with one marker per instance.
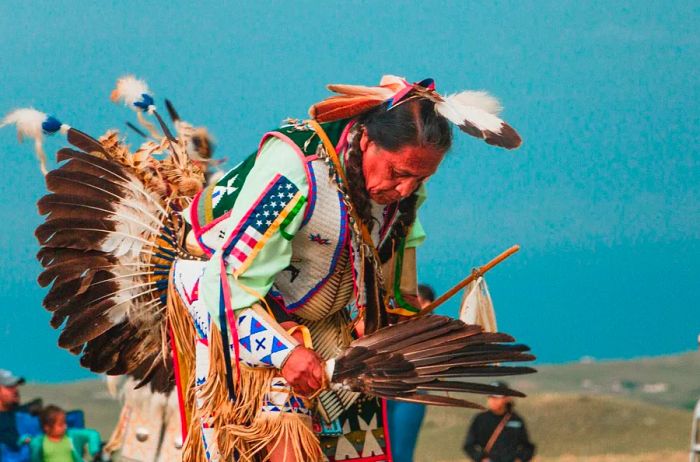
(35, 448)
(85, 437)
(417, 235)
(252, 282)
(405, 263)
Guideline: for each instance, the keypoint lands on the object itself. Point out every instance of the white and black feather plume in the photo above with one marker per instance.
(476, 113)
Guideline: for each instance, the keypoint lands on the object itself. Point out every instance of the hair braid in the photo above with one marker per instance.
(414, 123)
(356, 179)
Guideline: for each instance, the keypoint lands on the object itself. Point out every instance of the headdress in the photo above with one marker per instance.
(474, 112)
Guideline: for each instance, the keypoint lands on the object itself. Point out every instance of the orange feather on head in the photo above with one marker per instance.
(353, 100)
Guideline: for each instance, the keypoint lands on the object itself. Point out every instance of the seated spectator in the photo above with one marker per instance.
(10, 447)
(499, 434)
(60, 443)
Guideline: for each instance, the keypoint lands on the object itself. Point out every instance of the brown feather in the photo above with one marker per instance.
(84, 329)
(100, 289)
(437, 400)
(67, 289)
(468, 351)
(468, 387)
(71, 269)
(84, 142)
(75, 233)
(100, 167)
(61, 205)
(486, 359)
(482, 371)
(508, 138)
(49, 256)
(400, 331)
(83, 184)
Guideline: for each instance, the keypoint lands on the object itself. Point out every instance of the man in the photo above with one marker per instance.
(405, 419)
(499, 434)
(9, 404)
(282, 262)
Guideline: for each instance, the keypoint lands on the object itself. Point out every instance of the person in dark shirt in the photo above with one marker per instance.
(499, 434)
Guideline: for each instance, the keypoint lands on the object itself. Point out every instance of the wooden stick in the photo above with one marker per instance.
(476, 273)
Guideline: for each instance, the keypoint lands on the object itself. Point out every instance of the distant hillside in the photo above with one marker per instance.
(665, 380)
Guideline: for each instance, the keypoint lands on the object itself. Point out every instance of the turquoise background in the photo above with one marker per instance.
(602, 197)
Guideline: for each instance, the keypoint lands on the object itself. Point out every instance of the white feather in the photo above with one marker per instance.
(130, 90)
(134, 226)
(458, 113)
(478, 99)
(28, 122)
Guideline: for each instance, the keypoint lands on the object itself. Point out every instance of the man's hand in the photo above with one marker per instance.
(304, 371)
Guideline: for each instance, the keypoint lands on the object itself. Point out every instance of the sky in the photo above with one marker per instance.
(602, 197)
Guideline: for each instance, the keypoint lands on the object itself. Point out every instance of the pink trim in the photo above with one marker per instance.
(343, 141)
(250, 210)
(213, 223)
(399, 95)
(178, 384)
(302, 157)
(231, 318)
(196, 227)
(194, 218)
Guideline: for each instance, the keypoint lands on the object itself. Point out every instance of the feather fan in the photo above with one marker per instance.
(107, 243)
(407, 361)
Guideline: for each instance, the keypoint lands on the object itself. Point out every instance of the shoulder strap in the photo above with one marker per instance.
(497, 432)
(307, 140)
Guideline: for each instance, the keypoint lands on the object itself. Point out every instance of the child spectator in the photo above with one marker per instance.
(59, 443)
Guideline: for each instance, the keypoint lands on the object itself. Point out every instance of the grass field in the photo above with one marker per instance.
(680, 374)
(595, 412)
(567, 424)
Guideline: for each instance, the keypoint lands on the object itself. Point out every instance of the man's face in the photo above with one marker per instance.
(394, 175)
(498, 404)
(9, 396)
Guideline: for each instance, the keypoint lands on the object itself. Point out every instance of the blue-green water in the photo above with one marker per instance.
(603, 196)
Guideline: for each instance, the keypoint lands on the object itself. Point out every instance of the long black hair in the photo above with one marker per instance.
(411, 123)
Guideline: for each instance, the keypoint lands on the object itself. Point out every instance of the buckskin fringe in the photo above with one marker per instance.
(269, 430)
(184, 337)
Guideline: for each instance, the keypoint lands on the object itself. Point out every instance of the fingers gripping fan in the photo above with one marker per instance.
(107, 244)
(412, 359)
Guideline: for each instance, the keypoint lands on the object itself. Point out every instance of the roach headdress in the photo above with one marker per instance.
(474, 112)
